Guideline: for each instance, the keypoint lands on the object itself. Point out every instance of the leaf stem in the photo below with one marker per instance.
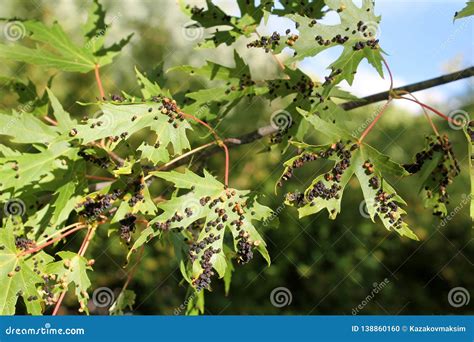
(390, 74)
(61, 231)
(132, 272)
(427, 116)
(46, 244)
(86, 241)
(51, 121)
(112, 154)
(187, 154)
(444, 116)
(219, 142)
(100, 178)
(58, 303)
(372, 124)
(99, 82)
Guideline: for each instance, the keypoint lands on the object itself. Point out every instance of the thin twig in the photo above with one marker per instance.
(132, 272)
(61, 231)
(51, 121)
(185, 155)
(112, 154)
(390, 74)
(46, 244)
(99, 82)
(372, 124)
(427, 116)
(100, 178)
(444, 116)
(414, 87)
(219, 141)
(58, 303)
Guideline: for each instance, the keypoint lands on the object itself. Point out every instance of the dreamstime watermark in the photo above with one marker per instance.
(102, 120)
(281, 120)
(280, 297)
(370, 30)
(26, 107)
(364, 207)
(466, 199)
(103, 297)
(376, 288)
(101, 33)
(14, 30)
(14, 207)
(177, 311)
(367, 122)
(458, 296)
(191, 207)
(274, 215)
(202, 110)
(4, 130)
(192, 31)
(459, 118)
(46, 330)
(465, 23)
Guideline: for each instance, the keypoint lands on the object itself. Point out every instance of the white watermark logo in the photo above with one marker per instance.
(103, 297)
(280, 297)
(458, 296)
(14, 30)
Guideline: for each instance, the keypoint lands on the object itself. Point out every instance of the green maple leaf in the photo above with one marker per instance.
(382, 202)
(25, 128)
(72, 269)
(28, 98)
(149, 88)
(226, 29)
(63, 118)
(69, 194)
(230, 206)
(437, 166)
(24, 169)
(358, 24)
(467, 11)
(326, 190)
(126, 299)
(57, 50)
(312, 9)
(116, 120)
(195, 303)
(232, 84)
(19, 275)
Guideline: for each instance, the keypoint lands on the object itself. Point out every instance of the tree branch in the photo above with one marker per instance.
(267, 130)
(411, 88)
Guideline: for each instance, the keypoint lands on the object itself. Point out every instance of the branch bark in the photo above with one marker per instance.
(267, 130)
(411, 88)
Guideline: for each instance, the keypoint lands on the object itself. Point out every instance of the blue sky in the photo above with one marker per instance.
(421, 41)
(420, 36)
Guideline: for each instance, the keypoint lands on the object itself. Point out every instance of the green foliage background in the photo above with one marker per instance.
(329, 266)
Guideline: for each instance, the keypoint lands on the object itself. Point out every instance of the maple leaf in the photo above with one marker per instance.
(72, 269)
(356, 33)
(20, 275)
(57, 50)
(349, 158)
(212, 210)
(467, 11)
